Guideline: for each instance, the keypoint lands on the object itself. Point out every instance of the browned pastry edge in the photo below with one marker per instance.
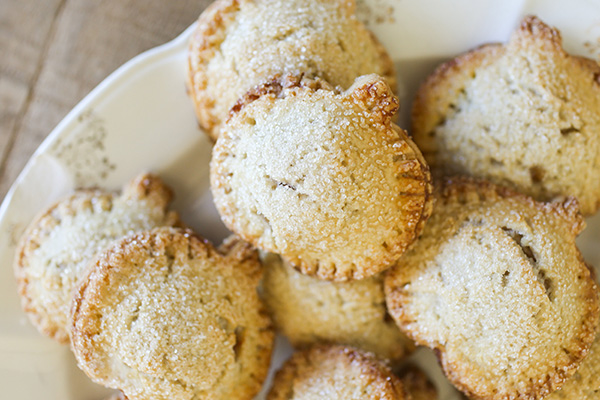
(436, 98)
(144, 187)
(110, 266)
(464, 190)
(382, 383)
(373, 96)
(210, 33)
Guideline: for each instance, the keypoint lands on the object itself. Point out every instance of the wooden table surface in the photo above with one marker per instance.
(54, 52)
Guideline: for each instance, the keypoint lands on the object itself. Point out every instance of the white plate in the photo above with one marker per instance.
(140, 118)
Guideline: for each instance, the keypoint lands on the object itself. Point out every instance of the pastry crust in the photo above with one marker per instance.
(417, 383)
(321, 177)
(309, 310)
(163, 315)
(522, 114)
(497, 287)
(585, 383)
(54, 250)
(335, 372)
(239, 44)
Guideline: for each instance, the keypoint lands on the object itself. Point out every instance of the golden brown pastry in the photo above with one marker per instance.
(240, 44)
(321, 177)
(163, 315)
(497, 287)
(524, 114)
(56, 247)
(335, 372)
(309, 310)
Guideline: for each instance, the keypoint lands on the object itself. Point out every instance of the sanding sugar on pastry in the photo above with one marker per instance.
(58, 244)
(164, 315)
(525, 114)
(309, 310)
(585, 383)
(322, 177)
(497, 287)
(336, 372)
(238, 44)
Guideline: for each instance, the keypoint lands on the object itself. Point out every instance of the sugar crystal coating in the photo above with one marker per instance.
(239, 44)
(57, 246)
(163, 315)
(497, 286)
(310, 310)
(322, 177)
(524, 114)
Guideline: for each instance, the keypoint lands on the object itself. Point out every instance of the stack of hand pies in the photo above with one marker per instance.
(343, 242)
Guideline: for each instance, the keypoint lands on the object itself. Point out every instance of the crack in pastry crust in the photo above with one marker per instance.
(164, 315)
(321, 176)
(522, 114)
(497, 287)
